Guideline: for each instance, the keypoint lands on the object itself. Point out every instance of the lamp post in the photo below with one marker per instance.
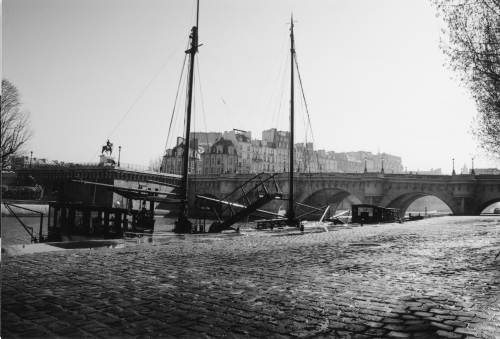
(382, 170)
(453, 173)
(365, 166)
(119, 153)
(472, 172)
(31, 157)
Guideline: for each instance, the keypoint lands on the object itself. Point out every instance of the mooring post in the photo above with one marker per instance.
(97, 222)
(71, 219)
(48, 220)
(152, 207)
(64, 219)
(86, 219)
(56, 212)
(118, 222)
(125, 220)
(106, 221)
(40, 237)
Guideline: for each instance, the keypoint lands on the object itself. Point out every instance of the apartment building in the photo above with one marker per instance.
(173, 160)
(221, 157)
(235, 152)
(242, 141)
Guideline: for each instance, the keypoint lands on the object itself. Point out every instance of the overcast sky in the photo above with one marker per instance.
(373, 75)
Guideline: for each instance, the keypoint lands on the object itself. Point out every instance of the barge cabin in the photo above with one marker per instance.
(371, 214)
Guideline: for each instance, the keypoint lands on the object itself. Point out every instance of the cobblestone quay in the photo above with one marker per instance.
(436, 278)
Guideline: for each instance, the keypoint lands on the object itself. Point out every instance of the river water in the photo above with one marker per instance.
(13, 232)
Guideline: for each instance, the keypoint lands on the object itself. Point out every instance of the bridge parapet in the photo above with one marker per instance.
(463, 185)
(374, 187)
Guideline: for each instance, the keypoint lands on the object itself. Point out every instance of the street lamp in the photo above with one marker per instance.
(453, 173)
(365, 166)
(119, 153)
(472, 172)
(382, 171)
(31, 157)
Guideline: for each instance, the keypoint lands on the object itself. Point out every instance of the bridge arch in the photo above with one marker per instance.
(330, 196)
(481, 207)
(403, 201)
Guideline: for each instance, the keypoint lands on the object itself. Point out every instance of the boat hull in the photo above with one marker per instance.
(77, 237)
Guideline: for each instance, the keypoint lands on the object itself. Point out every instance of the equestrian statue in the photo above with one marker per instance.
(107, 148)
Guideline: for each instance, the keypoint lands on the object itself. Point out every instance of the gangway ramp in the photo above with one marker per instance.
(254, 193)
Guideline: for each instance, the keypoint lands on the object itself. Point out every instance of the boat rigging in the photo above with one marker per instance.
(291, 218)
(257, 191)
(183, 224)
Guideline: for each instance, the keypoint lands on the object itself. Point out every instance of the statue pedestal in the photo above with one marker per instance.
(106, 160)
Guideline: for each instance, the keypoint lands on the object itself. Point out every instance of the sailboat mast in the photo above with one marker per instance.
(185, 155)
(291, 211)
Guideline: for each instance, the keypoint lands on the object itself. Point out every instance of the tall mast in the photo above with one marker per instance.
(291, 211)
(182, 220)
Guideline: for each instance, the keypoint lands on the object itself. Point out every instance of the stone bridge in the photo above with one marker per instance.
(464, 194)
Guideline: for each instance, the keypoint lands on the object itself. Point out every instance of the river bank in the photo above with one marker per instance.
(435, 278)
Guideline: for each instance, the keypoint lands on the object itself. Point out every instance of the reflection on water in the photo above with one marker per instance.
(166, 223)
(162, 238)
(90, 244)
(13, 232)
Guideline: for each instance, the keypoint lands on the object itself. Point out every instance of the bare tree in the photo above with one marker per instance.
(15, 124)
(155, 164)
(473, 51)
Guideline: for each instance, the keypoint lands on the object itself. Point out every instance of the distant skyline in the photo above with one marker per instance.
(374, 77)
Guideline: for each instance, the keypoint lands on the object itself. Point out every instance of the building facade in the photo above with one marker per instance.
(221, 157)
(235, 152)
(242, 141)
(173, 160)
(205, 138)
(356, 162)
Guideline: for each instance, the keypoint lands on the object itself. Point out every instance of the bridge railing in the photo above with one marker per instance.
(124, 166)
(62, 164)
(95, 165)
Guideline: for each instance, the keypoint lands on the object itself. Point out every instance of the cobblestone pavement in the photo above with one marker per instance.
(436, 278)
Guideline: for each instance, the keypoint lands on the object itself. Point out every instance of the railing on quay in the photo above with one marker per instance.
(97, 165)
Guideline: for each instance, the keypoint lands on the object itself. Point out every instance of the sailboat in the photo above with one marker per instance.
(257, 191)
(144, 219)
(290, 218)
(254, 195)
(183, 224)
